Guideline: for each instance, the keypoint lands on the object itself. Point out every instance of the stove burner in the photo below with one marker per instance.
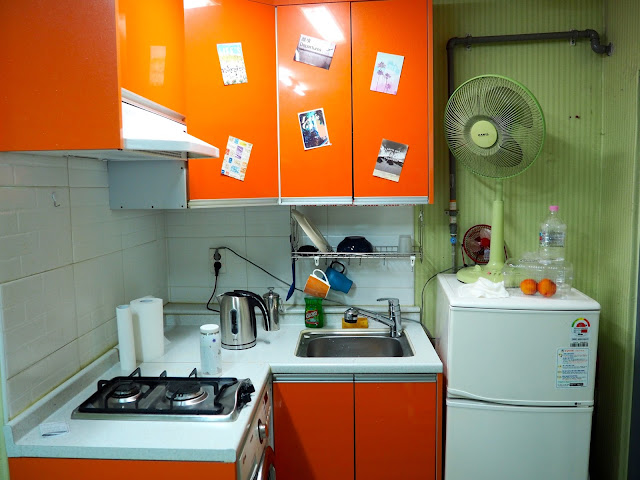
(185, 393)
(126, 392)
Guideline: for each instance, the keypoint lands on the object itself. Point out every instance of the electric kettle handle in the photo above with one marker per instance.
(261, 305)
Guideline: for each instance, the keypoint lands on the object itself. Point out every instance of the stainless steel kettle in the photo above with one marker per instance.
(238, 319)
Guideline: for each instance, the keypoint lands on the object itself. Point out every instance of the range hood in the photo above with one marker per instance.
(150, 131)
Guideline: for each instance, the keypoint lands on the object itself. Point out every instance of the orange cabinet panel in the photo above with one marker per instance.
(98, 469)
(152, 50)
(247, 111)
(402, 417)
(399, 27)
(313, 430)
(303, 88)
(371, 427)
(59, 75)
(64, 62)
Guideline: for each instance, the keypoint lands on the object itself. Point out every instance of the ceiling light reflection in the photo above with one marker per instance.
(189, 4)
(300, 89)
(324, 23)
(284, 74)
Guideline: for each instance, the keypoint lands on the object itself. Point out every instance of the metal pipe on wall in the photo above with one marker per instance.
(571, 35)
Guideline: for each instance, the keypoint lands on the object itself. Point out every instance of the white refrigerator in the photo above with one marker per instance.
(519, 375)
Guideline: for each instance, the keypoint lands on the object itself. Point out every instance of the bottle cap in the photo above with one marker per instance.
(209, 328)
(553, 208)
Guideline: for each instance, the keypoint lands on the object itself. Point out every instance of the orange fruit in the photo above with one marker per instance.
(546, 287)
(528, 286)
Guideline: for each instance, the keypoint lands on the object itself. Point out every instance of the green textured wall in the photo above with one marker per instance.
(587, 167)
(617, 273)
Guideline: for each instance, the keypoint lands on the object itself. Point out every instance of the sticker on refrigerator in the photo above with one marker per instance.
(580, 333)
(572, 369)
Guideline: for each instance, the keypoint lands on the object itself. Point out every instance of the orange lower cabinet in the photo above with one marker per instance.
(313, 427)
(100, 469)
(397, 421)
(358, 427)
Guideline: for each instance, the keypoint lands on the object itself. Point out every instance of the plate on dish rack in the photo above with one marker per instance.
(312, 231)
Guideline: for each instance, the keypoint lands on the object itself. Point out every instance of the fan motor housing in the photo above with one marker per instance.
(484, 134)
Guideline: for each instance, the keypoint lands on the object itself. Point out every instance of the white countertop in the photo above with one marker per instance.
(186, 440)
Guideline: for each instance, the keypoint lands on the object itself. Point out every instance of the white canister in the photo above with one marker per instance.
(210, 350)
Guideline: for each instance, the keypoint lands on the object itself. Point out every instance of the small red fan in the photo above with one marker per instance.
(476, 244)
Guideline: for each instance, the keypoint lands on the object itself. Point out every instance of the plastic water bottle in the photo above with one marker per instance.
(553, 235)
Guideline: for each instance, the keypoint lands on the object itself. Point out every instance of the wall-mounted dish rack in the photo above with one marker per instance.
(379, 252)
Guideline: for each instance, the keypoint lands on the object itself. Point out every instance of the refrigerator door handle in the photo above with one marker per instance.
(462, 395)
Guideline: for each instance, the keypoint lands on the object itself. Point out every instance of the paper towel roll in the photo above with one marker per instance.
(126, 342)
(148, 327)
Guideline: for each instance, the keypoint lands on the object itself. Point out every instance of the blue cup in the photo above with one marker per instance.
(337, 279)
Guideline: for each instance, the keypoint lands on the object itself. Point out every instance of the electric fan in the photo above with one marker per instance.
(495, 127)
(476, 243)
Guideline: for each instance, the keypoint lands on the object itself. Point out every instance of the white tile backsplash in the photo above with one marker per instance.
(145, 271)
(99, 289)
(265, 241)
(64, 269)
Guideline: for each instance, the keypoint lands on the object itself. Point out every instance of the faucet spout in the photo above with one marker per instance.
(393, 320)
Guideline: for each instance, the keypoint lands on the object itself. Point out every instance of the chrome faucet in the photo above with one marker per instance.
(393, 321)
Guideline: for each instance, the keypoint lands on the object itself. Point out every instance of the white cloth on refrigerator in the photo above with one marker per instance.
(483, 288)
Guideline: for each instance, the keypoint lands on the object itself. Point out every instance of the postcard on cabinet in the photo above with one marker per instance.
(314, 51)
(390, 160)
(386, 73)
(236, 158)
(313, 127)
(232, 63)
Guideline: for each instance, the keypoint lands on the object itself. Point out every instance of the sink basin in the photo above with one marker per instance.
(340, 343)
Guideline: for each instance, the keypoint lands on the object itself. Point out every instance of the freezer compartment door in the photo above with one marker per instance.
(522, 357)
(500, 442)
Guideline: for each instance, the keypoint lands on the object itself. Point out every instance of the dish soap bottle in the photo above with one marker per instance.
(313, 314)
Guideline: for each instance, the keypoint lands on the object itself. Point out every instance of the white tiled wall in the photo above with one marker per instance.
(261, 234)
(64, 267)
(67, 260)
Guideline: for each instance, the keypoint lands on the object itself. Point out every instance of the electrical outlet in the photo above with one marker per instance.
(223, 260)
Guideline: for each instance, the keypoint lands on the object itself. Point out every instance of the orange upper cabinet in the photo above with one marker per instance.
(377, 91)
(245, 111)
(151, 34)
(401, 28)
(62, 71)
(315, 167)
(59, 78)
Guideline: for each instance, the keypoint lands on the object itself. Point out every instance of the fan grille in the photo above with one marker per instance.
(511, 109)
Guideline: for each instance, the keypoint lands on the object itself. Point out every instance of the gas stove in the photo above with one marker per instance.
(189, 398)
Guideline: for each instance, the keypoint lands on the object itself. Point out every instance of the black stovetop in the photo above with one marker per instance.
(167, 398)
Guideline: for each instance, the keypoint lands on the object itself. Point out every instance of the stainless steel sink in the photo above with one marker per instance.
(345, 343)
